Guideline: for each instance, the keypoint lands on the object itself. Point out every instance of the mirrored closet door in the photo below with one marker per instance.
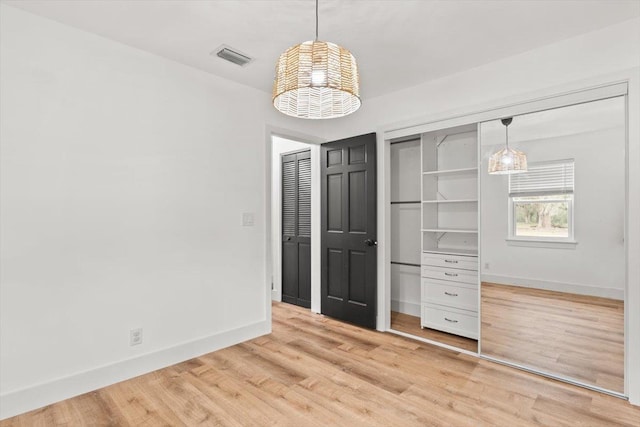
(552, 243)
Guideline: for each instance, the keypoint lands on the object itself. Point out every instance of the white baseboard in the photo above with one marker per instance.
(405, 307)
(26, 399)
(571, 288)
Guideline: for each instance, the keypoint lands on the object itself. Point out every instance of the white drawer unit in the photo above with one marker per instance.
(452, 274)
(451, 320)
(451, 294)
(450, 261)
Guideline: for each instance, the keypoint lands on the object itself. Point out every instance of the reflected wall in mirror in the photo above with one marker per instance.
(552, 244)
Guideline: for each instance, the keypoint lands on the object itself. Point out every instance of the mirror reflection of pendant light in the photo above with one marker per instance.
(507, 160)
(316, 80)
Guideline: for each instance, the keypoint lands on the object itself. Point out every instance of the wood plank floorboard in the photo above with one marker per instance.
(577, 336)
(315, 371)
(411, 325)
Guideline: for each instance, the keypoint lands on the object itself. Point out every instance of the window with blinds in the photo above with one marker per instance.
(541, 202)
(543, 179)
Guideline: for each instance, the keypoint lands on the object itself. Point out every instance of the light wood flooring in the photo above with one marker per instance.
(411, 325)
(315, 371)
(577, 336)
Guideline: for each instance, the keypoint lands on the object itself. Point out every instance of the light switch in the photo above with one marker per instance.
(247, 219)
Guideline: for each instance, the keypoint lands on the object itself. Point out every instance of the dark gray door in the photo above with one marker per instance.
(296, 228)
(348, 171)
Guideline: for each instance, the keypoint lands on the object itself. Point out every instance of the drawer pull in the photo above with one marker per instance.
(451, 274)
(450, 320)
(451, 261)
(450, 294)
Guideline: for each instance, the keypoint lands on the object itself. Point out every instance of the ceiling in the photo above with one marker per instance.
(397, 43)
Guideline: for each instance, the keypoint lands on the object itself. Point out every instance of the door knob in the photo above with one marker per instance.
(371, 242)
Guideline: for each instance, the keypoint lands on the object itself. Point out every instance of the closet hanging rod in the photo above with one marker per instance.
(405, 202)
(410, 139)
(406, 263)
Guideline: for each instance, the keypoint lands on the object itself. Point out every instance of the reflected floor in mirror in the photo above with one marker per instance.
(411, 325)
(576, 336)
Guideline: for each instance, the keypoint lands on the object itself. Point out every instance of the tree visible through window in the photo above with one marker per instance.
(541, 202)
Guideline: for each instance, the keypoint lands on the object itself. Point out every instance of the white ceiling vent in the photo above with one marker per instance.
(232, 55)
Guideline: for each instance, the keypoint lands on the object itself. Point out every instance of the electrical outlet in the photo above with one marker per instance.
(135, 336)
(486, 265)
(247, 219)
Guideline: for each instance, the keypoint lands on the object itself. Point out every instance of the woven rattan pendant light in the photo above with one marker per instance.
(316, 80)
(507, 160)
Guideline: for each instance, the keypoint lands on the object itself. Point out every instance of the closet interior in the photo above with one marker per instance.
(434, 236)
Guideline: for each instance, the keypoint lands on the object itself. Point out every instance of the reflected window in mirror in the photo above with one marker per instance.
(541, 202)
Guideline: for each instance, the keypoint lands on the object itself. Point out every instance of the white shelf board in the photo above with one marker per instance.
(451, 251)
(451, 171)
(451, 201)
(450, 230)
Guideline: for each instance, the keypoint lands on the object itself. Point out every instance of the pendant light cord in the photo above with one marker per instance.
(506, 122)
(507, 137)
(316, 20)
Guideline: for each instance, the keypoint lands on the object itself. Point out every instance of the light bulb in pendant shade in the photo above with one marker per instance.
(506, 159)
(318, 78)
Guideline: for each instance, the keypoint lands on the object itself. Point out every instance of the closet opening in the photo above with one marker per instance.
(434, 236)
(504, 266)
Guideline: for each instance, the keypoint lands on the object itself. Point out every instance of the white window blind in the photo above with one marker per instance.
(543, 179)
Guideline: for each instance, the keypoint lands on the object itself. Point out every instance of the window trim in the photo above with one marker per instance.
(549, 244)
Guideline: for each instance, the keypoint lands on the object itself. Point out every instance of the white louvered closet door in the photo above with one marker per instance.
(296, 228)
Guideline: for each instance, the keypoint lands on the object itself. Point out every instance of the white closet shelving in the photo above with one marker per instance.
(450, 191)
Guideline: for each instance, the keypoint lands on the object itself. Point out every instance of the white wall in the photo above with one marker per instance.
(279, 146)
(603, 56)
(124, 179)
(592, 134)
